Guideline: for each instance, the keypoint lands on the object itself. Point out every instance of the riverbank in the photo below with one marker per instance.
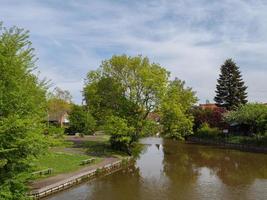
(229, 145)
(66, 164)
(51, 185)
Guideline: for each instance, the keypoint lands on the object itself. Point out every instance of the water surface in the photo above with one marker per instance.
(171, 170)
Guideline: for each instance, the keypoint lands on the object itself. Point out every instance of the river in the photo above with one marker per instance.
(170, 170)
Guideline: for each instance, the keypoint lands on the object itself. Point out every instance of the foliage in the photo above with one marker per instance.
(22, 111)
(205, 131)
(175, 117)
(254, 115)
(213, 117)
(122, 136)
(150, 128)
(81, 120)
(54, 135)
(231, 89)
(128, 87)
(105, 97)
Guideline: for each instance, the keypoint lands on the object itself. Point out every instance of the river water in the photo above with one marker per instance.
(170, 170)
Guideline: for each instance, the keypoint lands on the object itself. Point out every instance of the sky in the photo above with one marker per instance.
(191, 38)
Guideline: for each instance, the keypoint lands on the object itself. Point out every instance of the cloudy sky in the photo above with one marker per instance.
(191, 38)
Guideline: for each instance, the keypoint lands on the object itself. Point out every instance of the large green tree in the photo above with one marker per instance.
(125, 87)
(130, 87)
(22, 111)
(230, 89)
(175, 106)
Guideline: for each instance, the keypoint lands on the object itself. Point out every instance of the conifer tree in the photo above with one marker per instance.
(230, 88)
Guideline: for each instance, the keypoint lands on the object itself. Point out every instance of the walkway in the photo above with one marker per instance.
(40, 186)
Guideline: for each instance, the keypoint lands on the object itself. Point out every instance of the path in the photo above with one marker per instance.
(51, 182)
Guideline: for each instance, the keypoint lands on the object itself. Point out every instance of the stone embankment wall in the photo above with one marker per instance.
(101, 171)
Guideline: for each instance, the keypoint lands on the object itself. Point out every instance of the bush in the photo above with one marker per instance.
(122, 136)
(213, 117)
(54, 135)
(253, 116)
(205, 131)
(81, 121)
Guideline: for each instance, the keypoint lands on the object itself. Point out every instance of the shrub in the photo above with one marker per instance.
(205, 131)
(81, 121)
(253, 115)
(122, 136)
(213, 117)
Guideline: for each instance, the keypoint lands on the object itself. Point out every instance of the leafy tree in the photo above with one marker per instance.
(176, 103)
(231, 89)
(129, 87)
(81, 120)
(22, 111)
(254, 115)
(105, 97)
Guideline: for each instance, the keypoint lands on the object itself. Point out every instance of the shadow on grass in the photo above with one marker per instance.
(101, 149)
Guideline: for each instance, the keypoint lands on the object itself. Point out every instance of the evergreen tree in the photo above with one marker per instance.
(231, 89)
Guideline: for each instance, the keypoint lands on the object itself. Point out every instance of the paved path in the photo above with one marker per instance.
(51, 182)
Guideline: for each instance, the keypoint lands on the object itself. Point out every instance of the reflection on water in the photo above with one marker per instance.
(171, 170)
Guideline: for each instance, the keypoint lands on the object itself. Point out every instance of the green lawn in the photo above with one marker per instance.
(61, 162)
(68, 158)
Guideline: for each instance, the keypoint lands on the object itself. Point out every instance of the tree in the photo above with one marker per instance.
(231, 89)
(105, 97)
(22, 111)
(130, 87)
(175, 106)
(81, 120)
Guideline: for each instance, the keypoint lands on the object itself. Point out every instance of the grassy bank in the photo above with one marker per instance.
(68, 158)
(60, 162)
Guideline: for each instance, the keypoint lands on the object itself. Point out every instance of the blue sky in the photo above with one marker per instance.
(191, 38)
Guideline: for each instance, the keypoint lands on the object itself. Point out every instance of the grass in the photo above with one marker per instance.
(101, 148)
(61, 162)
(68, 158)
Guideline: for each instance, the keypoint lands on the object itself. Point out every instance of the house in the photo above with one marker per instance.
(61, 119)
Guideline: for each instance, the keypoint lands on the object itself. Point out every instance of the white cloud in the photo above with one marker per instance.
(190, 38)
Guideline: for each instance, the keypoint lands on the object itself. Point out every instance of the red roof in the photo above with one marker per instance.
(208, 106)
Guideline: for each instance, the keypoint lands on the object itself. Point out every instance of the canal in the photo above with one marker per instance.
(170, 170)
